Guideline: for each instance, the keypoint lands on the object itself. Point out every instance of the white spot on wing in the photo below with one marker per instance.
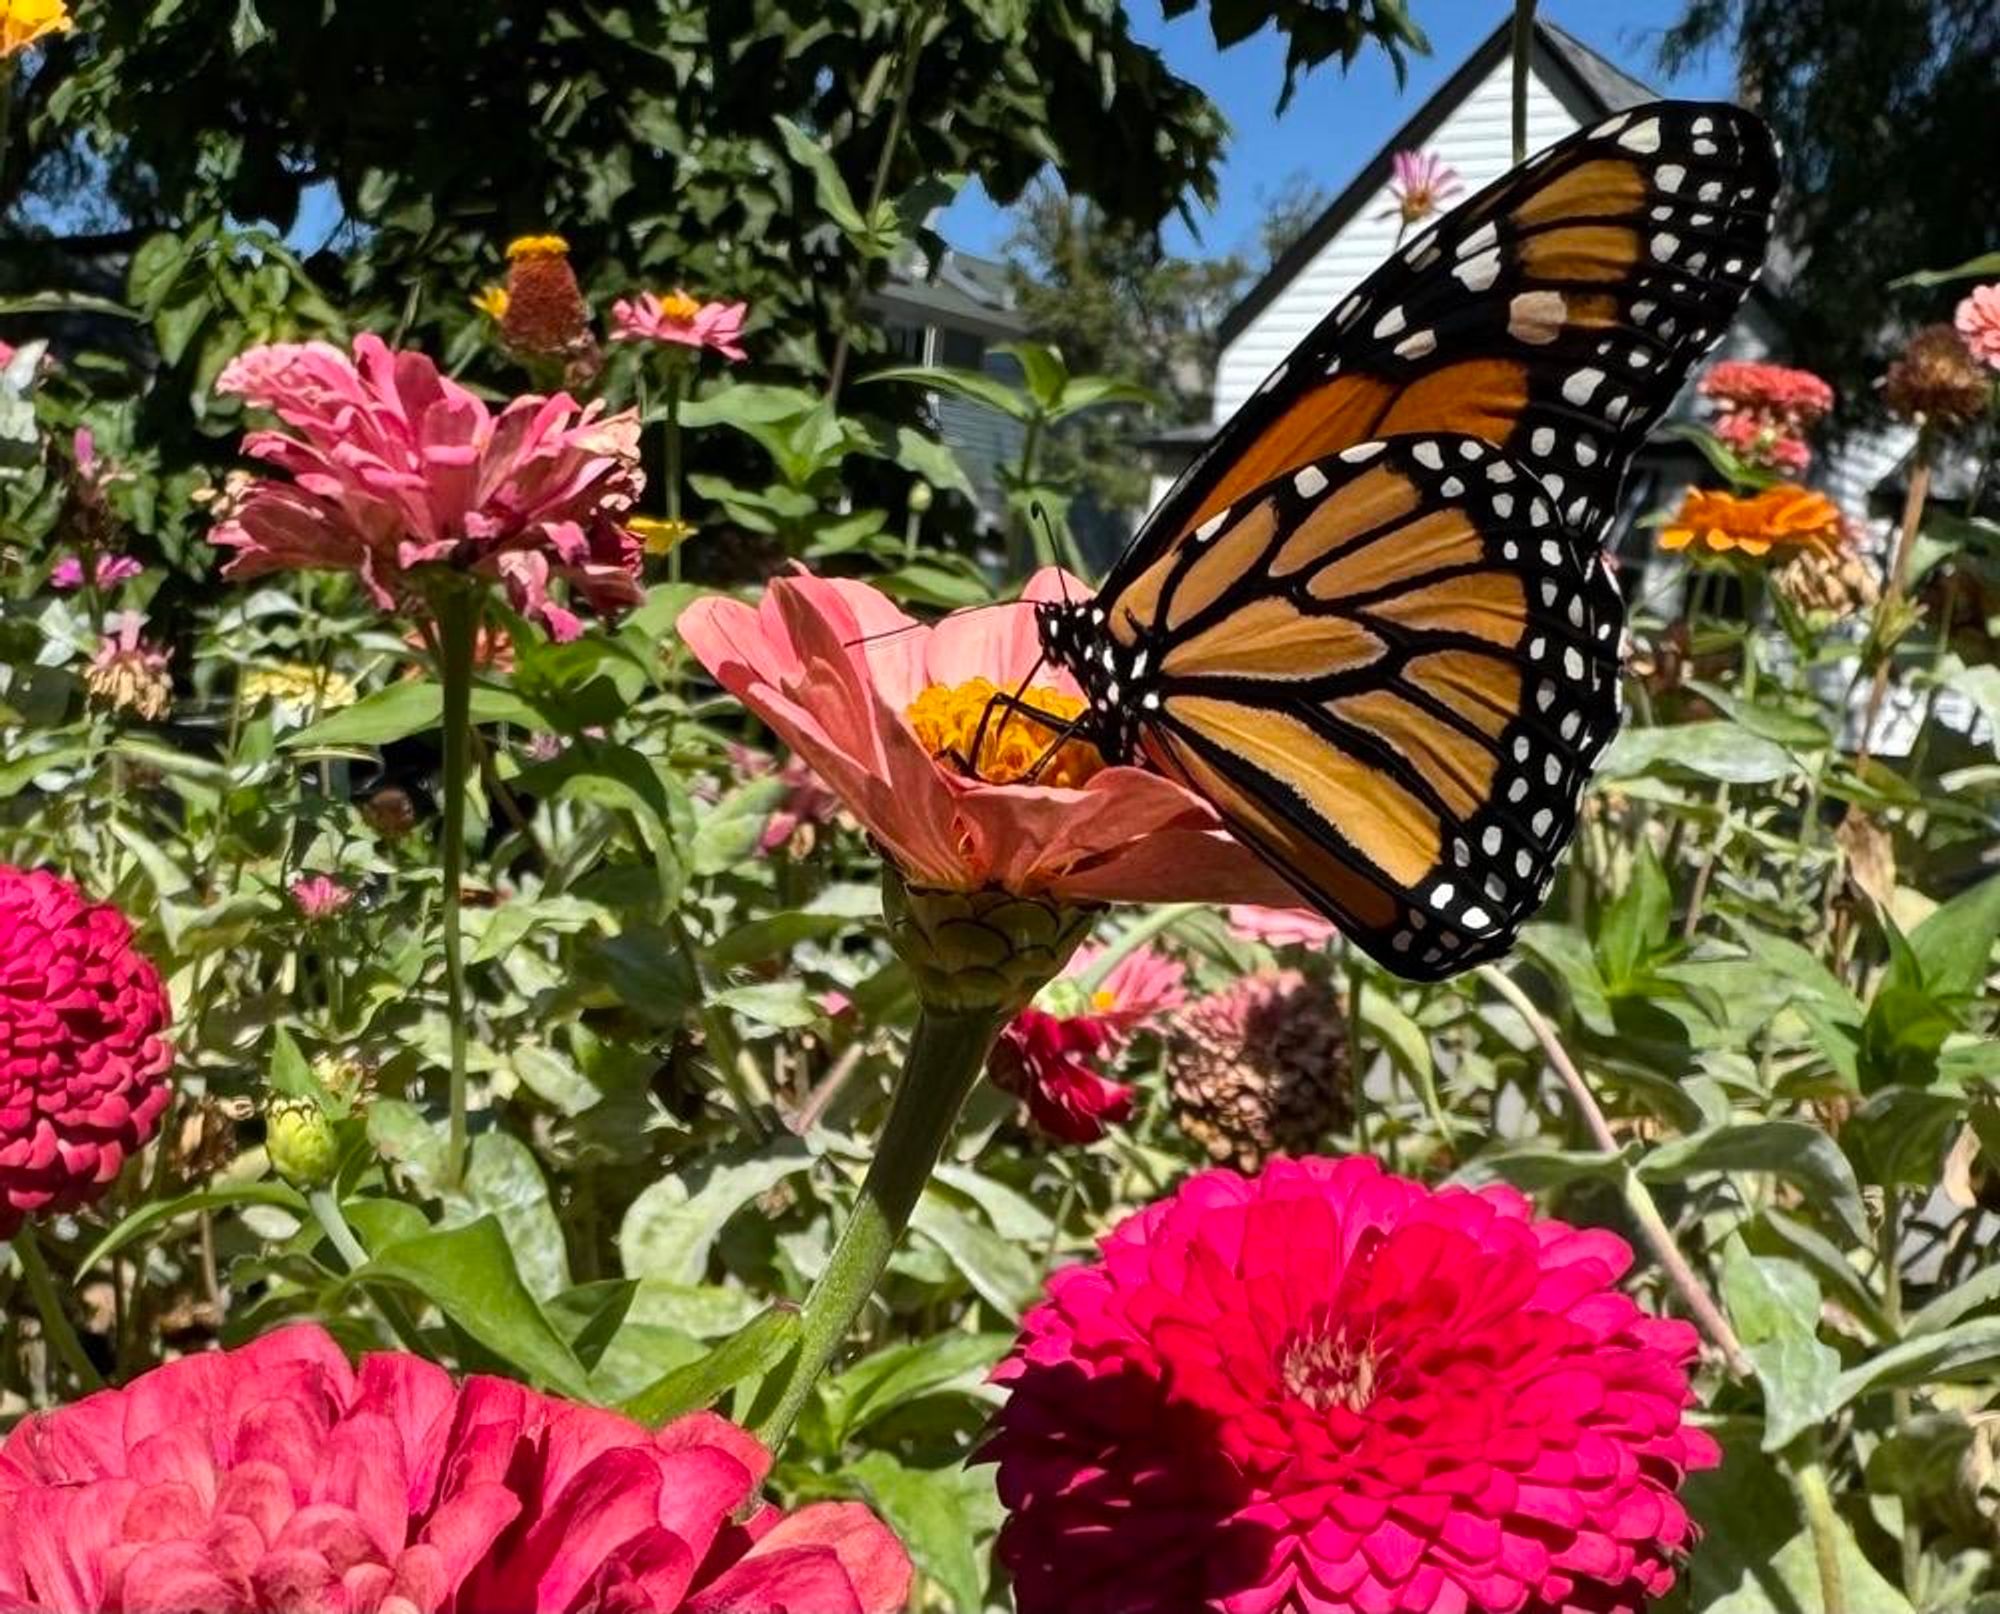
(1643, 138)
(1417, 344)
(1390, 323)
(1310, 482)
(1478, 273)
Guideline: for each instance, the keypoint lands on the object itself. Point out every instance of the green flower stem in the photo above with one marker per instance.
(457, 604)
(676, 385)
(56, 1326)
(1638, 1198)
(1809, 1477)
(326, 1211)
(1523, 48)
(1131, 939)
(946, 1057)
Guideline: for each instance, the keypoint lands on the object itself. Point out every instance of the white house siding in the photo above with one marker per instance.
(1476, 138)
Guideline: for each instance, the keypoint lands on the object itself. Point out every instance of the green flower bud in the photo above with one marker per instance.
(920, 496)
(979, 950)
(299, 1137)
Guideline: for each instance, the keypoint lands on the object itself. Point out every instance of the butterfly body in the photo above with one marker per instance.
(1371, 623)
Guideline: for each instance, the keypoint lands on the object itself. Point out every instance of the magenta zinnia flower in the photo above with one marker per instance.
(395, 467)
(83, 1051)
(276, 1477)
(1978, 321)
(679, 319)
(320, 896)
(67, 573)
(1326, 1389)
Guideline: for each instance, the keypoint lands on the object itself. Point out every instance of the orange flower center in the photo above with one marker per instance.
(536, 246)
(951, 720)
(679, 307)
(1328, 1370)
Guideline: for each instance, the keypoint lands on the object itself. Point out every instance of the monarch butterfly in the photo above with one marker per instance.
(1371, 624)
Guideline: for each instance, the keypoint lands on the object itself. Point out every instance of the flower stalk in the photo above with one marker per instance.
(947, 1054)
(56, 1326)
(1889, 607)
(457, 605)
(676, 386)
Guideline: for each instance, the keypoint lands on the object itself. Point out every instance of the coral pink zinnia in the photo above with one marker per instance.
(1326, 1389)
(886, 711)
(83, 1055)
(680, 320)
(1279, 927)
(277, 1477)
(1978, 322)
(320, 896)
(394, 467)
(1051, 1054)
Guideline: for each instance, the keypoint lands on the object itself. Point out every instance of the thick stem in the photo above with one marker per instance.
(1898, 584)
(1809, 1476)
(1524, 42)
(326, 1211)
(946, 1057)
(457, 605)
(56, 1326)
(1652, 1225)
(676, 385)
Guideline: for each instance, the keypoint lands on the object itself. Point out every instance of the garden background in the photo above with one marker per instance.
(524, 1004)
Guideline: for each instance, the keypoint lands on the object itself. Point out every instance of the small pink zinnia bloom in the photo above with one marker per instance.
(320, 896)
(875, 701)
(1051, 1054)
(806, 804)
(1327, 1388)
(67, 573)
(1797, 397)
(680, 319)
(393, 467)
(1279, 927)
(1421, 182)
(276, 1477)
(1978, 322)
(83, 1048)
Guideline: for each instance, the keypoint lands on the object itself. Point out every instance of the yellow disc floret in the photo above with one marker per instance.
(536, 246)
(1014, 744)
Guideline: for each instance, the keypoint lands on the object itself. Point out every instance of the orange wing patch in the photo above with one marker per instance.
(1238, 550)
(1449, 760)
(1442, 539)
(1322, 421)
(1484, 690)
(1271, 638)
(1480, 397)
(1604, 252)
(1485, 605)
(1607, 188)
(1371, 501)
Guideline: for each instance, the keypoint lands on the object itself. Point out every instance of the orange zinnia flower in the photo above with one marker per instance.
(1785, 516)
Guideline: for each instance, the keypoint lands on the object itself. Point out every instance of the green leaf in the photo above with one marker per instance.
(289, 1075)
(1798, 1152)
(1954, 946)
(1774, 1304)
(1967, 1350)
(835, 199)
(1000, 1272)
(974, 386)
(1566, 961)
(503, 1179)
(928, 1511)
(932, 460)
(786, 1005)
(150, 1216)
(1712, 750)
(752, 1350)
(1987, 263)
(888, 1379)
(1636, 923)
(671, 1227)
(469, 1274)
(412, 706)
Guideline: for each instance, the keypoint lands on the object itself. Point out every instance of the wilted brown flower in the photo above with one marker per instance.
(1826, 586)
(390, 812)
(1260, 1068)
(1937, 380)
(129, 671)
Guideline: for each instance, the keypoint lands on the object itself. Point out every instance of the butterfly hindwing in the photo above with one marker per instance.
(1379, 669)
(1555, 314)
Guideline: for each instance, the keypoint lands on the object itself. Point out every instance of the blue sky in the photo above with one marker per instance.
(1337, 121)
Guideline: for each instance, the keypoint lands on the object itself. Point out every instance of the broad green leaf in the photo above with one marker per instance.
(1715, 750)
(754, 1349)
(927, 1510)
(410, 707)
(1967, 1350)
(726, 834)
(288, 1074)
(1537, 1170)
(835, 199)
(1635, 925)
(786, 1005)
(1987, 263)
(1800, 1153)
(469, 1274)
(1566, 960)
(1774, 1232)
(671, 1227)
(503, 1178)
(972, 385)
(167, 1210)
(890, 1378)
(998, 1270)
(933, 461)
(1954, 946)
(1774, 1305)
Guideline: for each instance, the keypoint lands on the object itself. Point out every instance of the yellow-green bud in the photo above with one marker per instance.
(299, 1137)
(920, 496)
(989, 950)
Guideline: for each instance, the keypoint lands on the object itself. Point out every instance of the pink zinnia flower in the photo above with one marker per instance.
(1759, 442)
(67, 573)
(1326, 1388)
(83, 1047)
(1797, 396)
(1279, 927)
(679, 318)
(1421, 182)
(878, 704)
(320, 896)
(1978, 322)
(277, 1477)
(394, 467)
(1051, 1054)
(805, 805)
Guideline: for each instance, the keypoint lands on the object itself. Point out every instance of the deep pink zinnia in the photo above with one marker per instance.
(680, 320)
(1977, 320)
(394, 467)
(108, 570)
(277, 1477)
(83, 1051)
(1331, 1390)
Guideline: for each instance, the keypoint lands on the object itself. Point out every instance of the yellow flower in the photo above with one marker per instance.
(537, 246)
(492, 302)
(661, 534)
(294, 683)
(948, 721)
(1785, 515)
(22, 22)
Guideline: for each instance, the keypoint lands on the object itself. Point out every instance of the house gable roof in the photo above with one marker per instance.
(1593, 85)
